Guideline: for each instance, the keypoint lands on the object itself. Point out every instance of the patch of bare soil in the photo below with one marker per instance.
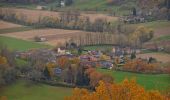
(6, 25)
(162, 31)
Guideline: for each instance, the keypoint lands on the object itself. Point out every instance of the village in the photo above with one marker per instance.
(84, 49)
(113, 60)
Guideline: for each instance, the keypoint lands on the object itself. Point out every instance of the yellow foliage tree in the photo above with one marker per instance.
(50, 67)
(3, 98)
(127, 90)
(3, 60)
(141, 35)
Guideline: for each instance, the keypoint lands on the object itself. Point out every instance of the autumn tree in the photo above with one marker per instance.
(8, 70)
(95, 77)
(138, 65)
(141, 35)
(3, 98)
(127, 90)
(63, 62)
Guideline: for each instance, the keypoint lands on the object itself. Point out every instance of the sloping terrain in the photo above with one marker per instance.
(53, 36)
(5, 25)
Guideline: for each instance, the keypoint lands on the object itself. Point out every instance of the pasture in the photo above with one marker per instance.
(25, 90)
(148, 81)
(18, 44)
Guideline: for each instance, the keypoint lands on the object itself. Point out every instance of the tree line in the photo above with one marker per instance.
(66, 20)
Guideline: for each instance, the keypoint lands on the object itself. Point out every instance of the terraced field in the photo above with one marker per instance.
(53, 36)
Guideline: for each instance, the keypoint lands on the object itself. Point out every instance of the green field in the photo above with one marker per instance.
(154, 24)
(24, 90)
(149, 82)
(98, 47)
(27, 6)
(163, 38)
(17, 44)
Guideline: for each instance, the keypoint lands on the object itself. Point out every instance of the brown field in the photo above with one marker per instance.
(34, 15)
(53, 36)
(162, 31)
(6, 25)
(159, 56)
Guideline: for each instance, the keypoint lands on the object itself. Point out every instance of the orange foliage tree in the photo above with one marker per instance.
(3, 60)
(3, 98)
(95, 77)
(139, 65)
(50, 67)
(127, 90)
(63, 62)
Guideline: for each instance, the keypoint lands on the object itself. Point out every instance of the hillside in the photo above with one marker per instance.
(84, 5)
(102, 5)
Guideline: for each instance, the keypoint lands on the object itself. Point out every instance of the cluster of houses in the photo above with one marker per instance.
(132, 19)
(95, 58)
(42, 6)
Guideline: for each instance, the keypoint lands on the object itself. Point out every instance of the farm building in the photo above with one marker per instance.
(39, 39)
(61, 50)
(62, 3)
(41, 7)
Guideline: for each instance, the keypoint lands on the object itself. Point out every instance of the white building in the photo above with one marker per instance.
(62, 3)
(61, 51)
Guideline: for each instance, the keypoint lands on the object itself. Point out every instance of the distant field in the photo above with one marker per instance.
(160, 28)
(23, 90)
(150, 82)
(155, 24)
(6, 25)
(18, 44)
(163, 38)
(53, 36)
(15, 29)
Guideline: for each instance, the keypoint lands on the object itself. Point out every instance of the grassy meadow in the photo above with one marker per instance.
(148, 81)
(25, 90)
(18, 44)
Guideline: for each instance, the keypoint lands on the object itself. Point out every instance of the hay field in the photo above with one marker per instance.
(53, 36)
(6, 25)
